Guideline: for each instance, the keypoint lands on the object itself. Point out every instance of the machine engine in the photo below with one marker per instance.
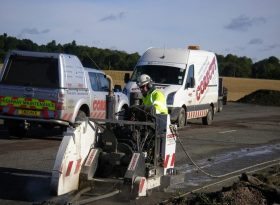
(118, 140)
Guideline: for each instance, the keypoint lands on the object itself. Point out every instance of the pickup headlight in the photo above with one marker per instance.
(170, 98)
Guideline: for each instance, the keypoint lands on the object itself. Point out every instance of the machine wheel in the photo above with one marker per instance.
(182, 118)
(207, 120)
(81, 116)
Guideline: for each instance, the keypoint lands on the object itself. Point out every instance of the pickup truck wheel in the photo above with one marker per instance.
(18, 132)
(182, 118)
(121, 114)
(207, 120)
(15, 129)
(81, 116)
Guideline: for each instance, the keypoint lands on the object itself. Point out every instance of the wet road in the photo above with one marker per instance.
(241, 135)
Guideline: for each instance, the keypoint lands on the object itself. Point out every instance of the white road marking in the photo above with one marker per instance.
(227, 131)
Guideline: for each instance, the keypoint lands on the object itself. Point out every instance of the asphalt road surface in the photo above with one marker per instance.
(241, 135)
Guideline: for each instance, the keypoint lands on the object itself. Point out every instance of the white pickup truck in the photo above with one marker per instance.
(51, 89)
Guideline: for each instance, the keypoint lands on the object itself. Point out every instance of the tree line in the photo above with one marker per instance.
(107, 59)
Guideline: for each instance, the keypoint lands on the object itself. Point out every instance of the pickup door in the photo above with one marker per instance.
(99, 90)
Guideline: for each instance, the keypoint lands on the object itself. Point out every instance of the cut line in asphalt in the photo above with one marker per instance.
(228, 131)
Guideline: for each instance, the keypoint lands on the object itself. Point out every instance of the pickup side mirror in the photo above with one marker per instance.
(126, 77)
(117, 88)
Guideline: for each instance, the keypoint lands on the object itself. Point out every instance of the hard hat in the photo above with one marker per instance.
(143, 80)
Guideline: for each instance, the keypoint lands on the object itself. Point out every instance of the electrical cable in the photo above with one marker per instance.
(174, 132)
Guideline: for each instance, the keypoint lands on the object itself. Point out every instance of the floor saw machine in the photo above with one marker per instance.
(135, 154)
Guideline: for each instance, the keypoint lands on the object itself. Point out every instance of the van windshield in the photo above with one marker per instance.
(31, 71)
(160, 74)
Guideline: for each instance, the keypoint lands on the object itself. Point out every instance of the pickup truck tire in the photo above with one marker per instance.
(182, 118)
(207, 120)
(121, 114)
(81, 116)
(15, 129)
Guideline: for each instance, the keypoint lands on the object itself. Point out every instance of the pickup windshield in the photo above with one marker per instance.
(160, 74)
(31, 71)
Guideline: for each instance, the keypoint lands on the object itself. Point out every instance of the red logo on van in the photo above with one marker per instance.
(207, 77)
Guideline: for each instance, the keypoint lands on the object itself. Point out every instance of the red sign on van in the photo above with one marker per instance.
(206, 79)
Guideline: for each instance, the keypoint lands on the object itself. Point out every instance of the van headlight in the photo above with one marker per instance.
(170, 98)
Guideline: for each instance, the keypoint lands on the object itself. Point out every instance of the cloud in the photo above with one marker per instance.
(271, 47)
(255, 41)
(113, 17)
(32, 31)
(243, 23)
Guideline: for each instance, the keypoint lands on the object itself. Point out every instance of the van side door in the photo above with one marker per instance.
(190, 90)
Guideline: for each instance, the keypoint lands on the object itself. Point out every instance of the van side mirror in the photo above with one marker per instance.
(126, 77)
(117, 88)
(192, 82)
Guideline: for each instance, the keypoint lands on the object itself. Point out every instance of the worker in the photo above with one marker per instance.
(151, 95)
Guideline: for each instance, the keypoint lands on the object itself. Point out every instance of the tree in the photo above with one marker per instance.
(267, 68)
(26, 45)
(221, 64)
(10, 43)
(234, 66)
(93, 57)
(51, 46)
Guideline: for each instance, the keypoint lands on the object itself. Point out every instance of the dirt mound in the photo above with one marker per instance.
(262, 97)
(257, 189)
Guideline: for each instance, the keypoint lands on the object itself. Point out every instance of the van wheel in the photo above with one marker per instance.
(220, 105)
(81, 116)
(207, 120)
(182, 118)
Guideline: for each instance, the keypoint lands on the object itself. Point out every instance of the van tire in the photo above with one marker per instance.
(220, 105)
(81, 116)
(207, 120)
(182, 118)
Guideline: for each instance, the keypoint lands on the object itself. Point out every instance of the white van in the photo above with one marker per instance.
(188, 77)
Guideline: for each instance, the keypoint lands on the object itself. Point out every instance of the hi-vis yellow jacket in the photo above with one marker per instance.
(157, 99)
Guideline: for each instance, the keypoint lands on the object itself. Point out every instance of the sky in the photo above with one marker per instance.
(248, 28)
